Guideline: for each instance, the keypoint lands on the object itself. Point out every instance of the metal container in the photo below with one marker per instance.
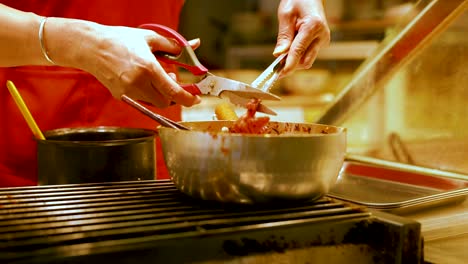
(98, 154)
(293, 161)
(396, 190)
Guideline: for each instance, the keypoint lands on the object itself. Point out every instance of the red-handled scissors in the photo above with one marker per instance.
(236, 92)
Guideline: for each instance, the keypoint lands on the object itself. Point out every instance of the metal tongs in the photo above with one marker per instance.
(267, 78)
(164, 121)
(265, 81)
(236, 92)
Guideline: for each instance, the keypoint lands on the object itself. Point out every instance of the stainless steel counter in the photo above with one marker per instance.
(445, 232)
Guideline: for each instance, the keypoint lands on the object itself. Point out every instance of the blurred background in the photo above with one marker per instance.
(238, 39)
(419, 116)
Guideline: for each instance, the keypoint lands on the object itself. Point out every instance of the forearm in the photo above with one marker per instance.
(19, 40)
(64, 39)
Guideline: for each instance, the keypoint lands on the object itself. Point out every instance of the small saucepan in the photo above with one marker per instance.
(90, 155)
(96, 154)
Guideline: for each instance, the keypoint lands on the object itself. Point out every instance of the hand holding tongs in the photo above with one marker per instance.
(268, 77)
(237, 92)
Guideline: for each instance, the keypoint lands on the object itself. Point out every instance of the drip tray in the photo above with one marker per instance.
(394, 190)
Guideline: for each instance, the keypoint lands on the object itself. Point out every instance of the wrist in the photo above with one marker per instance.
(68, 41)
(42, 41)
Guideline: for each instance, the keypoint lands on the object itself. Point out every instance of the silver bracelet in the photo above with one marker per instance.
(41, 41)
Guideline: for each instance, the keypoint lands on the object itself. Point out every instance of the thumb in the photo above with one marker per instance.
(194, 43)
(285, 37)
(161, 43)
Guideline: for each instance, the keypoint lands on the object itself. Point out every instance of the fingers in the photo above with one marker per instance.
(149, 82)
(312, 35)
(163, 87)
(148, 94)
(171, 90)
(160, 95)
(309, 56)
(157, 42)
(192, 99)
(322, 39)
(172, 75)
(194, 43)
(286, 31)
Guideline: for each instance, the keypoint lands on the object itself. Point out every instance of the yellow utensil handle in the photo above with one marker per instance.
(24, 110)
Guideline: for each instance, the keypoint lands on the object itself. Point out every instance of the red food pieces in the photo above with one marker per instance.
(248, 123)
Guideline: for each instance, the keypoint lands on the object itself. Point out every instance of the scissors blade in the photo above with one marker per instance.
(243, 101)
(215, 85)
(269, 76)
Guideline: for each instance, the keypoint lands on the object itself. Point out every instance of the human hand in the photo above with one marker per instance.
(303, 30)
(122, 59)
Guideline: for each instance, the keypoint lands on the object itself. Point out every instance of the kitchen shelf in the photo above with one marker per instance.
(363, 25)
(340, 50)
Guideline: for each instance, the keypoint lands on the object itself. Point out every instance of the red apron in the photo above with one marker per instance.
(62, 97)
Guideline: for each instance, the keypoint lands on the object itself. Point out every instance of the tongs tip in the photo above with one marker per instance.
(270, 75)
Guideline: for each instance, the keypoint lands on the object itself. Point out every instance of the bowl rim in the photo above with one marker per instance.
(339, 130)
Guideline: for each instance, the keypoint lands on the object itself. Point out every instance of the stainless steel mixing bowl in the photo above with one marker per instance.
(294, 161)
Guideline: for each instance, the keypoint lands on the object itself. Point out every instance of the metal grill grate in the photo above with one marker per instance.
(74, 220)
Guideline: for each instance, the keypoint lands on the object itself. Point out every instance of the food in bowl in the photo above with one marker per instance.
(248, 123)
